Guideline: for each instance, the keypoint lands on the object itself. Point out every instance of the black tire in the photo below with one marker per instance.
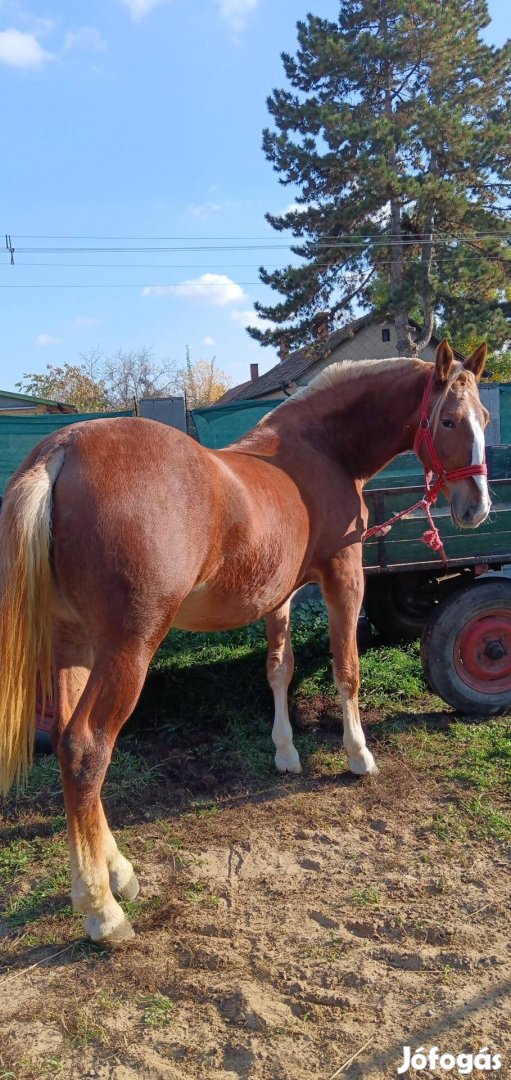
(398, 605)
(466, 648)
(43, 743)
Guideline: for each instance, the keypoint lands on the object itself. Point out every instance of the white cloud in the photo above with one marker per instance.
(47, 339)
(139, 8)
(22, 50)
(213, 288)
(209, 342)
(203, 210)
(251, 318)
(86, 37)
(235, 12)
(216, 288)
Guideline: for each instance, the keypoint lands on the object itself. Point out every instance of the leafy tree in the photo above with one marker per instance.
(202, 382)
(132, 374)
(396, 134)
(103, 382)
(71, 384)
(498, 364)
(121, 380)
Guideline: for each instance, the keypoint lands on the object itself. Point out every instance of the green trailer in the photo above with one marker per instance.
(462, 609)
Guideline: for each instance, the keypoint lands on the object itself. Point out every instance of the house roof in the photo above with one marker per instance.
(299, 362)
(234, 393)
(29, 399)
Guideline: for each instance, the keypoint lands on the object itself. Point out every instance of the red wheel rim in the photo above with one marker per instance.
(482, 652)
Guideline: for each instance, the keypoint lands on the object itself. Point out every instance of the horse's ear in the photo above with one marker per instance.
(444, 360)
(476, 362)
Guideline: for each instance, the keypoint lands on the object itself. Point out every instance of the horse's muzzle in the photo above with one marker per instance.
(471, 515)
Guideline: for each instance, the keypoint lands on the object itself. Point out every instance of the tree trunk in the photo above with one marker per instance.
(405, 344)
(425, 289)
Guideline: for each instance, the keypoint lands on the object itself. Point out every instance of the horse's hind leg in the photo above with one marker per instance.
(84, 752)
(279, 668)
(73, 657)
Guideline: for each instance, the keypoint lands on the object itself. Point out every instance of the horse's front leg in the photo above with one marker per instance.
(343, 590)
(279, 669)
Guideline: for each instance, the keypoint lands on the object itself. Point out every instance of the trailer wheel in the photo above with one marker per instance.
(466, 648)
(398, 605)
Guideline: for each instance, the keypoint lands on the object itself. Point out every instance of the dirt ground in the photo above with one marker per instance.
(281, 929)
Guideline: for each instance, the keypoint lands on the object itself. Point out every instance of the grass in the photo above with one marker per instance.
(203, 810)
(485, 755)
(366, 897)
(391, 676)
(474, 762)
(198, 892)
(158, 1009)
(330, 951)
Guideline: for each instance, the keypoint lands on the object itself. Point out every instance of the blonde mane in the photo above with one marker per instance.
(346, 370)
(338, 372)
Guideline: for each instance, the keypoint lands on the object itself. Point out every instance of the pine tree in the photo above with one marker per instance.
(396, 135)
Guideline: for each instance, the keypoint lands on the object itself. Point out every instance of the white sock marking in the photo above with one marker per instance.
(360, 759)
(286, 758)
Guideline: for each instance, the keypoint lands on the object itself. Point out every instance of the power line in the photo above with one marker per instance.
(438, 259)
(318, 246)
(207, 239)
(128, 285)
(148, 266)
(240, 242)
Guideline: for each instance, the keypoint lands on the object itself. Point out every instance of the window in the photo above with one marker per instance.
(385, 334)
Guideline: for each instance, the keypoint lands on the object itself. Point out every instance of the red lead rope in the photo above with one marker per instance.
(432, 536)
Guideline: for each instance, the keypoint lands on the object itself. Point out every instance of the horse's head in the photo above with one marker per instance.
(457, 423)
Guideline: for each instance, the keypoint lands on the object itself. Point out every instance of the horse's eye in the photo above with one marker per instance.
(448, 423)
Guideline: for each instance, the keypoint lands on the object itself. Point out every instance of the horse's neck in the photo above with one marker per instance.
(362, 422)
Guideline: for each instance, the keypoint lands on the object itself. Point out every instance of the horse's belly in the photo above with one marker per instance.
(256, 571)
(209, 608)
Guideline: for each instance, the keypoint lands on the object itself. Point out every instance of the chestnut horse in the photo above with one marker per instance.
(112, 531)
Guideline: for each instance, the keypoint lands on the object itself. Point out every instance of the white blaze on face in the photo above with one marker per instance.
(478, 456)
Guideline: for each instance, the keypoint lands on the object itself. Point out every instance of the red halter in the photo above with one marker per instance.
(431, 536)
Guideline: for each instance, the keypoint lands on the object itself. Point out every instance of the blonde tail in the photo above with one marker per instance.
(25, 611)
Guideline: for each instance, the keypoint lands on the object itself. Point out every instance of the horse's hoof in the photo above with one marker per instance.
(120, 936)
(364, 765)
(111, 936)
(129, 891)
(288, 761)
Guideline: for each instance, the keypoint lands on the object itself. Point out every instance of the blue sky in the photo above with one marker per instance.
(142, 119)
